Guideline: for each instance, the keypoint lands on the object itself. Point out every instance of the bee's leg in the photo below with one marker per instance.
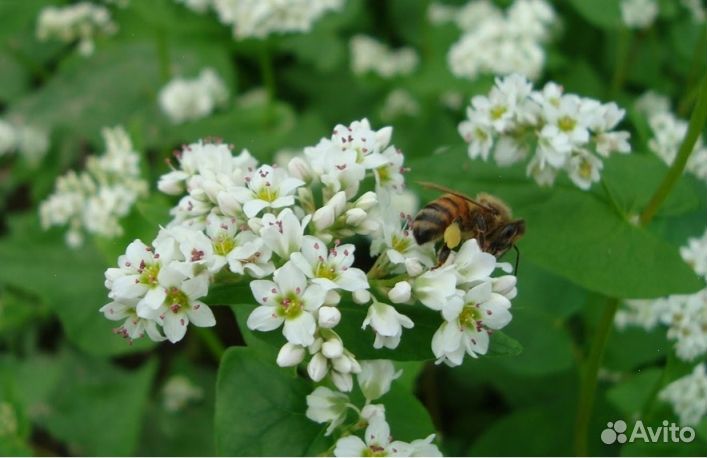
(480, 228)
(452, 239)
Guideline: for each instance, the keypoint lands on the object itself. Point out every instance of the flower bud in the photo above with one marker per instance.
(316, 346)
(375, 378)
(413, 267)
(172, 183)
(325, 216)
(299, 168)
(329, 317)
(400, 292)
(317, 367)
(290, 355)
(332, 348)
(362, 296)
(344, 382)
(342, 364)
(373, 410)
(227, 203)
(505, 285)
(366, 201)
(355, 216)
(332, 297)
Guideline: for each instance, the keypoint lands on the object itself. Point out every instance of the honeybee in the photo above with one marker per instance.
(455, 217)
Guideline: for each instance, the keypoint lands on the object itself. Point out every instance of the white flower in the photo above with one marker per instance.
(639, 14)
(267, 187)
(369, 55)
(378, 442)
(694, 253)
(136, 276)
(400, 293)
(436, 288)
(95, 199)
(283, 233)
(481, 312)
(181, 305)
(390, 175)
(80, 21)
(178, 392)
(289, 300)
(397, 104)
(260, 18)
(425, 447)
(327, 406)
(328, 317)
(387, 323)
(134, 326)
(375, 378)
(651, 102)
(290, 355)
(329, 269)
(688, 396)
(7, 138)
(186, 100)
(471, 264)
(326, 215)
(583, 169)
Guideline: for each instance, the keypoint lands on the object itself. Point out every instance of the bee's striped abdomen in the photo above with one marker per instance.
(434, 218)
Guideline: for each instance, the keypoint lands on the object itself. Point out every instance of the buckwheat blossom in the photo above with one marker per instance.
(266, 187)
(498, 42)
(668, 132)
(685, 316)
(80, 22)
(375, 378)
(28, 141)
(198, 6)
(368, 55)
(572, 134)
(327, 406)
(260, 18)
(190, 99)
(378, 442)
(651, 102)
(178, 392)
(639, 14)
(208, 172)
(399, 103)
(329, 269)
(94, 200)
(387, 323)
(697, 9)
(688, 396)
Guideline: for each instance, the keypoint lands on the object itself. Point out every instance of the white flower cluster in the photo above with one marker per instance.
(81, 21)
(696, 8)
(370, 55)
(688, 396)
(668, 133)
(178, 392)
(260, 18)
(397, 104)
(198, 6)
(94, 200)
(497, 42)
(327, 406)
(567, 129)
(639, 14)
(187, 100)
(30, 142)
(685, 315)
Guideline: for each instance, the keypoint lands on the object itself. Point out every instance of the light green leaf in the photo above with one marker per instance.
(630, 396)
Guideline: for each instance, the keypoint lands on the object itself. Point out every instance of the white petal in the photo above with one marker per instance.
(290, 279)
(201, 315)
(175, 326)
(253, 207)
(299, 260)
(128, 287)
(264, 318)
(378, 432)
(313, 249)
(350, 446)
(196, 287)
(300, 330)
(264, 291)
(352, 279)
(288, 185)
(154, 298)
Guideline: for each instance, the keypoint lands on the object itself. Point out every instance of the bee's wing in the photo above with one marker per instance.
(441, 188)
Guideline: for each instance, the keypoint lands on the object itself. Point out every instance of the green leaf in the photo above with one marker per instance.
(96, 407)
(600, 13)
(630, 396)
(572, 233)
(70, 281)
(260, 408)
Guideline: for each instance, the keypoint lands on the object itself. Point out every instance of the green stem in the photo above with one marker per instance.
(211, 341)
(697, 124)
(588, 383)
(622, 61)
(163, 56)
(267, 72)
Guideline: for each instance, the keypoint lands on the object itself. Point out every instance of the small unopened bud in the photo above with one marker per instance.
(332, 297)
(255, 224)
(316, 346)
(344, 382)
(325, 216)
(362, 296)
(332, 348)
(228, 204)
(355, 216)
(342, 364)
(413, 267)
(373, 410)
(400, 292)
(299, 168)
(366, 201)
(383, 136)
(317, 367)
(171, 183)
(505, 285)
(329, 317)
(290, 355)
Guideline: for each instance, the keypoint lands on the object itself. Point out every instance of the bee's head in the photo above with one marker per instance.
(503, 238)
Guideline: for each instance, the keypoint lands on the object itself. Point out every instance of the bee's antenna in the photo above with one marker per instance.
(515, 269)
